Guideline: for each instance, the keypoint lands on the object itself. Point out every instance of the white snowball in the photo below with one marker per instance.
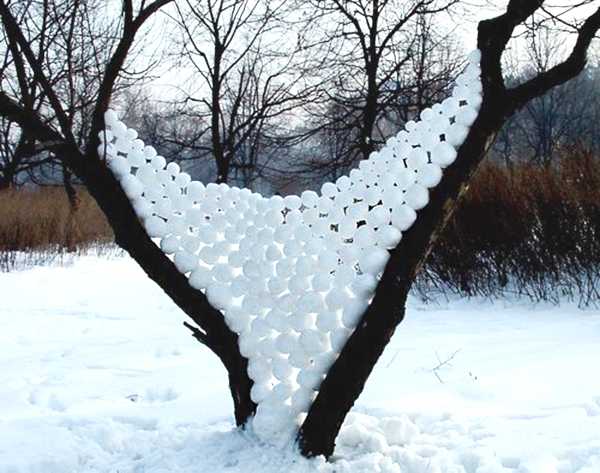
(339, 337)
(364, 237)
(364, 285)
(169, 244)
(310, 199)
(149, 152)
(143, 208)
(329, 189)
(313, 341)
(358, 211)
(456, 134)
(183, 179)
(353, 311)
(416, 158)
(466, 116)
(417, 197)
(223, 272)
(273, 253)
(443, 154)
(292, 202)
(286, 343)
(336, 298)
(282, 372)
(110, 118)
(119, 129)
(373, 260)
(302, 399)
(173, 169)
(344, 275)
(136, 158)
(327, 321)
(321, 282)
(185, 262)
(277, 319)
(119, 166)
(219, 295)
(378, 216)
(158, 162)
(388, 236)
(429, 175)
(310, 379)
(343, 183)
(259, 392)
(156, 227)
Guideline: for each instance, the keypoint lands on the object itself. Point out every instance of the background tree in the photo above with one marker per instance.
(381, 56)
(246, 80)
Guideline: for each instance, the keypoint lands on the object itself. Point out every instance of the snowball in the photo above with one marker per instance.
(282, 371)
(416, 158)
(183, 179)
(110, 118)
(273, 253)
(302, 399)
(248, 344)
(223, 272)
(156, 227)
(292, 202)
(143, 208)
(259, 370)
(259, 392)
(388, 236)
(416, 196)
(219, 295)
(364, 237)
(173, 169)
(353, 311)
(343, 183)
(336, 298)
(456, 134)
(443, 154)
(313, 341)
(378, 216)
(322, 281)
(309, 379)
(158, 162)
(169, 244)
(286, 343)
(309, 199)
(429, 175)
(373, 260)
(185, 261)
(327, 321)
(339, 337)
(364, 285)
(149, 152)
(119, 166)
(466, 116)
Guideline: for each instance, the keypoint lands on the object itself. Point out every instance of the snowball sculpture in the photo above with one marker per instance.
(293, 275)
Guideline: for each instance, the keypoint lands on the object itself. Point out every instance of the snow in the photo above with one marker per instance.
(98, 375)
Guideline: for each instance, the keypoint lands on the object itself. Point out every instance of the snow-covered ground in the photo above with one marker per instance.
(97, 374)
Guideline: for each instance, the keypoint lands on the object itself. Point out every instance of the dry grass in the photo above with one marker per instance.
(41, 219)
(530, 230)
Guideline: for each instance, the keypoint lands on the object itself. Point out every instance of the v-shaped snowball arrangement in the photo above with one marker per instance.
(293, 275)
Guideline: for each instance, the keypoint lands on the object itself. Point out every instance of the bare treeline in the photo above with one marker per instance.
(274, 94)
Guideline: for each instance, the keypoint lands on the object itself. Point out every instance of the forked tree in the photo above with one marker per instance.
(344, 379)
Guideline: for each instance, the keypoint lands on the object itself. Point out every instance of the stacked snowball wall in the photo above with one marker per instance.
(293, 275)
